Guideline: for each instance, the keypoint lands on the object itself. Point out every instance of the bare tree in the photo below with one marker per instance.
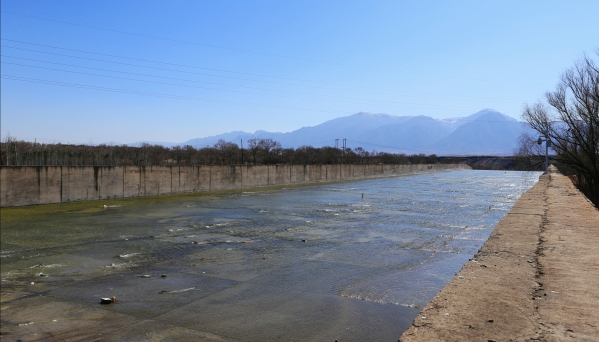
(227, 150)
(270, 149)
(570, 120)
(253, 148)
(306, 155)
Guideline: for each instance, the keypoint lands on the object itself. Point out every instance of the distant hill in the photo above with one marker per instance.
(486, 132)
(414, 135)
(211, 140)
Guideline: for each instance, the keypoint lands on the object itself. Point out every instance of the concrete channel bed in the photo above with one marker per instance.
(535, 279)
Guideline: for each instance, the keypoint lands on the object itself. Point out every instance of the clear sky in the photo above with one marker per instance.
(125, 71)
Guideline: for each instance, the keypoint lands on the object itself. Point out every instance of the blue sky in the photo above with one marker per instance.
(127, 71)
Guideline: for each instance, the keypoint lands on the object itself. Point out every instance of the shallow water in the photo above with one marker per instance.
(350, 261)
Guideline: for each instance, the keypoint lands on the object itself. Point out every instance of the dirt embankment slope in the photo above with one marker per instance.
(536, 278)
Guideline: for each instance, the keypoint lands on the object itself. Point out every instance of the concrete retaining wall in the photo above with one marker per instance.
(28, 185)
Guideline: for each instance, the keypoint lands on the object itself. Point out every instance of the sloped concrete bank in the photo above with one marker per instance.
(29, 185)
(534, 279)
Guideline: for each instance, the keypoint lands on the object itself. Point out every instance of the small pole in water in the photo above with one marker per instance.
(362, 195)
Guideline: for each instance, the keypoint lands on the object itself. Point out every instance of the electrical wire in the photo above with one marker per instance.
(83, 86)
(157, 68)
(189, 72)
(204, 82)
(165, 83)
(184, 65)
(135, 92)
(226, 90)
(197, 67)
(248, 51)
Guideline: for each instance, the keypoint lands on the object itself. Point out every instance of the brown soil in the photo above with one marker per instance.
(534, 279)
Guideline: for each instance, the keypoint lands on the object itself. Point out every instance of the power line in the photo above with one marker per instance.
(249, 51)
(185, 41)
(208, 88)
(186, 65)
(135, 92)
(172, 78)
(244, 73)
(165, 83)
(213, 75)
(176, 84)
(157, 68)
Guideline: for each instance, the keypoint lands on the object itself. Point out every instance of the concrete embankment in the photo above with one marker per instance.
(29, 185)
(534, 279)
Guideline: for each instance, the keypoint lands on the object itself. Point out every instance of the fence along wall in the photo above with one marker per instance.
(28, 185)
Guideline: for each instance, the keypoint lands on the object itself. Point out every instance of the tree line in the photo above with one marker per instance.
(14, 152)
(568, 120)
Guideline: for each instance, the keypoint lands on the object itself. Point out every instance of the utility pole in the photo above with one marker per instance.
(241, 151)
(344, 146)
(547, 145)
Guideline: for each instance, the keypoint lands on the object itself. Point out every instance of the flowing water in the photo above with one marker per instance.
(351, 261)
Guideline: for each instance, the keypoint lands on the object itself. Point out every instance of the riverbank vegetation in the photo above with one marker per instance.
(568, 120)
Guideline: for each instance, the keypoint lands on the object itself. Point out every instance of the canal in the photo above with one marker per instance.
(350, 261)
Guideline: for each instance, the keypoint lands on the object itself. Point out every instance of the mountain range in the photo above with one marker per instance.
(487, 132)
